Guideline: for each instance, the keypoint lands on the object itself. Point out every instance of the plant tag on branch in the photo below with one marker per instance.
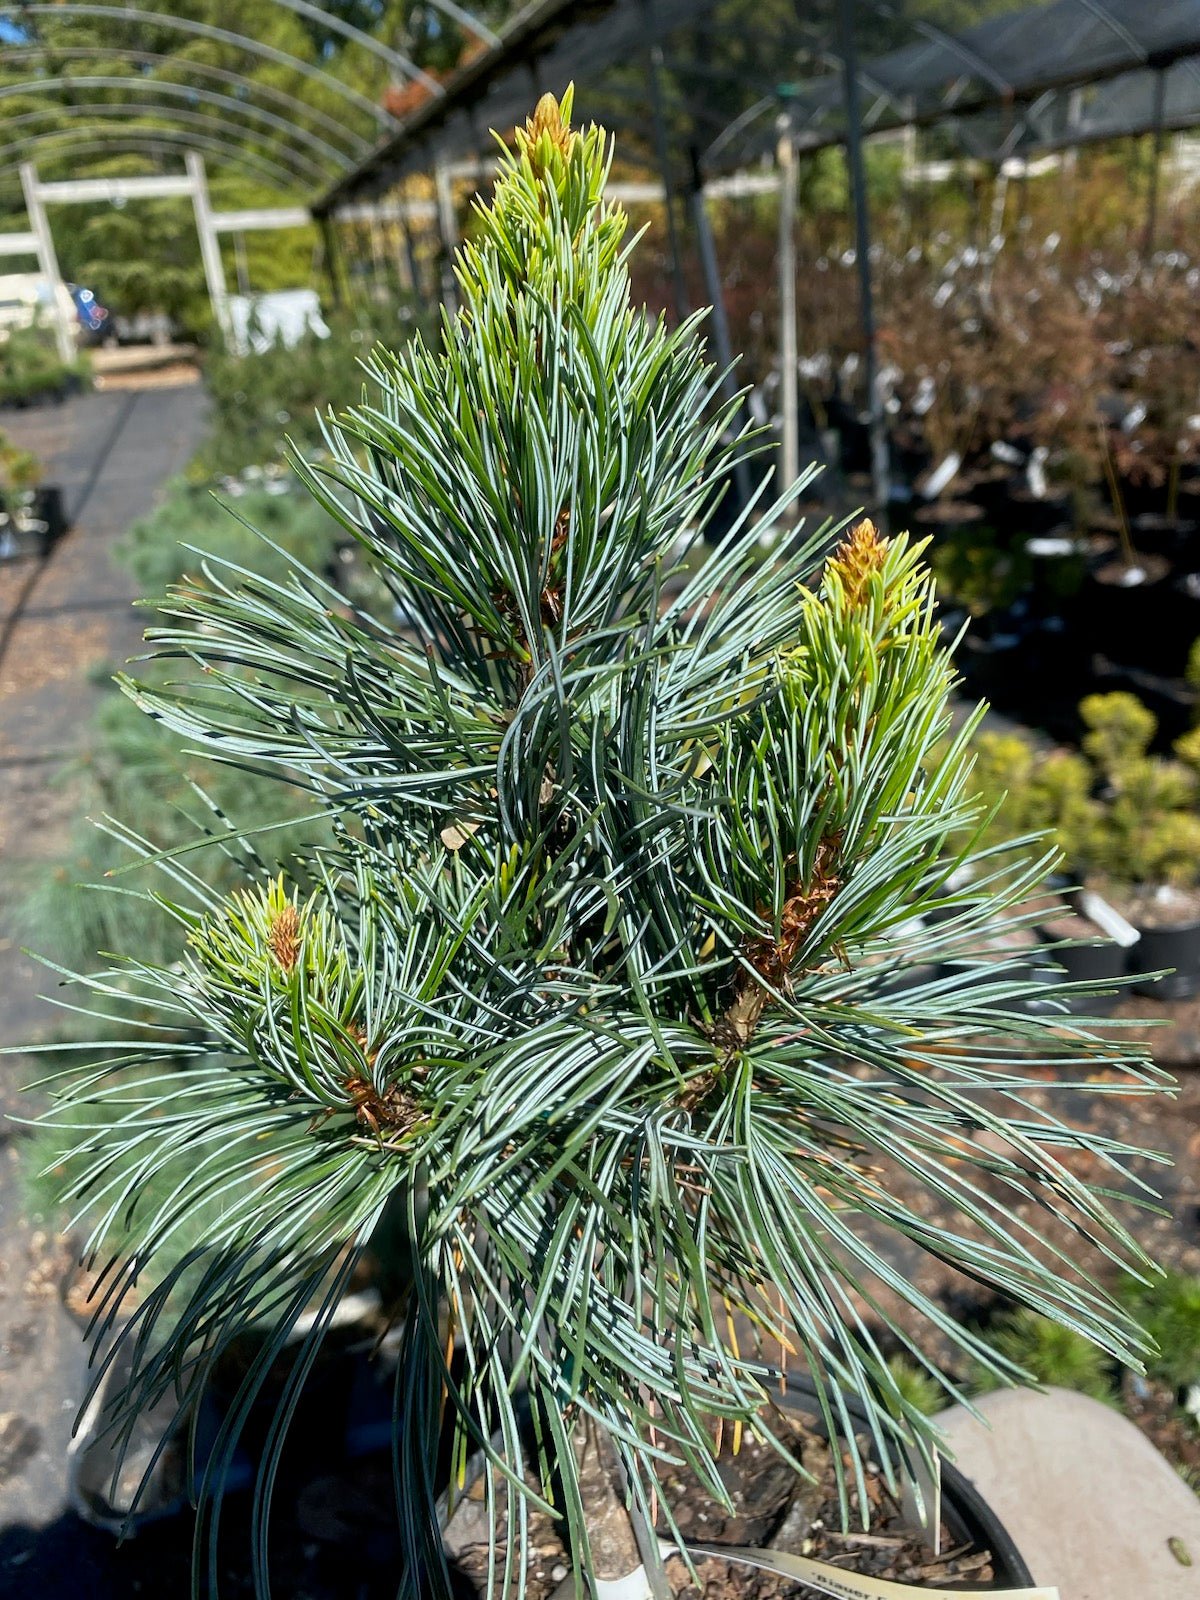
(1035, 473)
(843, 1585)
(1107, 919)
(941, 475)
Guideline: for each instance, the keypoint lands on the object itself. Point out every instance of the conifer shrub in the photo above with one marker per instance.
(598, 985)
(1169, 1309)
(1145, 824)
(1053, 1355)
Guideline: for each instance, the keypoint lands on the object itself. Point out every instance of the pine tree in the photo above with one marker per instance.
(624, 984)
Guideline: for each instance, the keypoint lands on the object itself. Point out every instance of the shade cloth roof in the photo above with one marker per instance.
(730, 67)
(1012, 63)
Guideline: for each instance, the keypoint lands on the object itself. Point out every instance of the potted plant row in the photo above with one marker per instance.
(1128, 824)
(596, 981)
(32, 513)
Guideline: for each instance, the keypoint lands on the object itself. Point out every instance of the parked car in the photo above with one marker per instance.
(143, 327)
(93, 317)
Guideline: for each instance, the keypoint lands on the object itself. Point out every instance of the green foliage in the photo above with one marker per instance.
(19, 468)
(1169, 1309)
(260, 401)
(978, 571)
(1032, 791)
(196, 523)
(286, 133)
(1116, 812)
(592, 980)
(1145, 829)
(30, 366)
(1120, 729)
(921, 1390)
(145, 257)
(1052, 1354)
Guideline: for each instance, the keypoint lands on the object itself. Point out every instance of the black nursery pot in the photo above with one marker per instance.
(1034, 516)
(967, 1515)
(1167, 536)
(1002, 665)
(1126, 622)
(50, 507)
(910, 459)
(855, 445)
(1177, 949)
(1100, 961)
(1173, 704)
(1058, 567)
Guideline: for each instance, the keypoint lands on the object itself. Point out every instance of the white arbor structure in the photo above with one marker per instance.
(192, 184)
(255, 124)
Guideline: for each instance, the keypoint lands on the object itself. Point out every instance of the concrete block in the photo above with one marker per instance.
(1090, 1503)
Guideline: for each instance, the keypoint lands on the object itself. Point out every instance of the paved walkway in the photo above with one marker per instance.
(63, 627)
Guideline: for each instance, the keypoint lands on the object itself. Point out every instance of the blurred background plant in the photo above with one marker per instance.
(31, 369)
(261, 399)
(19, 467)
(1051, 1355)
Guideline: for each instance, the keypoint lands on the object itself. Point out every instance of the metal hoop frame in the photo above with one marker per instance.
(207, 30)
(156, 141)
(396, 62)
(236, 80)
(226, 103)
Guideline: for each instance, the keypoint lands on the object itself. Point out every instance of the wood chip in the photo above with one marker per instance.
(457, 833)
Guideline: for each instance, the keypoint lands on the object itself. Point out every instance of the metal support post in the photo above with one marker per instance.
(1070, 156)
(999, 203)
(377, 253)
(720, 323)
(862, 251)
(789, 397)
(240, 262)
(911, 148)
(333, 271)
(394, 244)
(1160, 94)
(39, 224)
(654, 61)
(414, 265)
(448, 235)
(210, 245)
